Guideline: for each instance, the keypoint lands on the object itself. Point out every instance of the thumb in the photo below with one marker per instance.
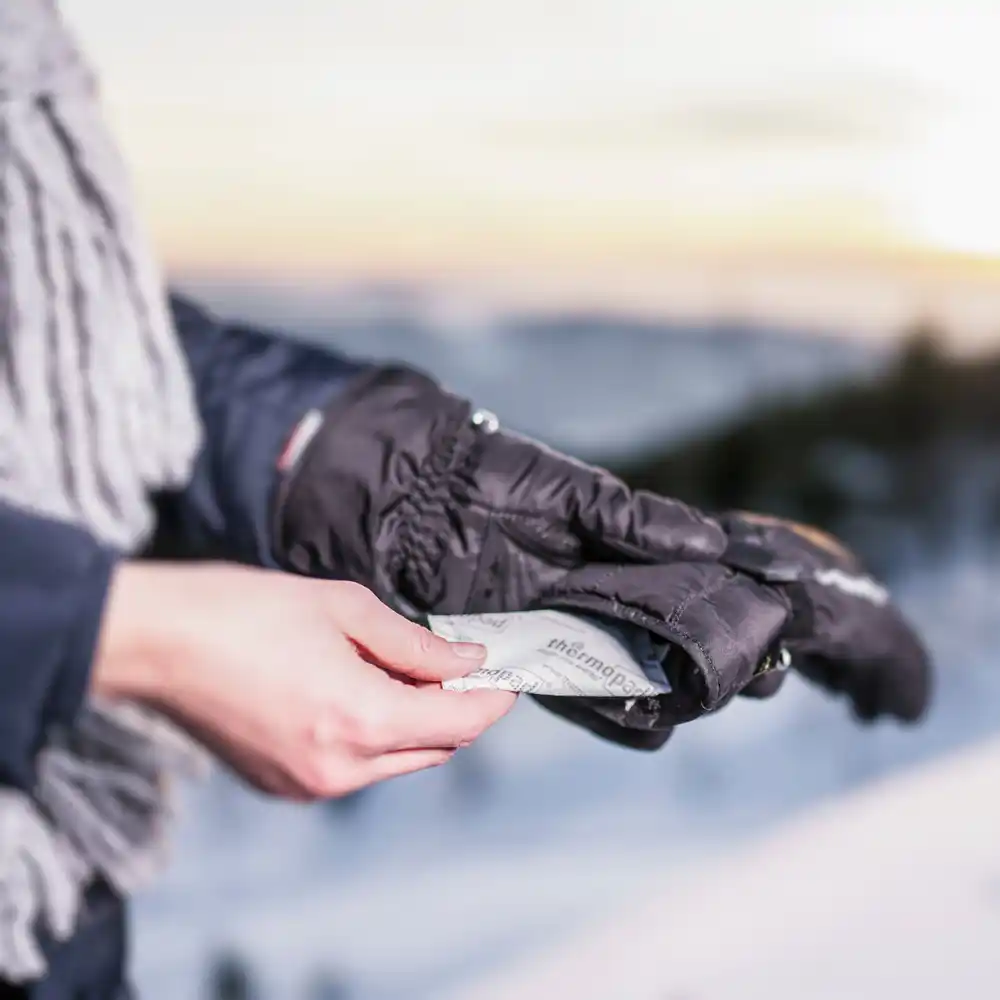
(399, 645)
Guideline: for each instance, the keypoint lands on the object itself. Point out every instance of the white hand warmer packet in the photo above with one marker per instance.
(556, 653)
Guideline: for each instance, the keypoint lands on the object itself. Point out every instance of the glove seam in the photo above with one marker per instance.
(620, 545)
(672, 622)
(655, 625)
(426, 506)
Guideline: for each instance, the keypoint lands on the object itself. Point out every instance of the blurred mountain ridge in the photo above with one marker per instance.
(904, 464)
(602, 385)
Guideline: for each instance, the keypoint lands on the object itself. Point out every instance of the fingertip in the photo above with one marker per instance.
(410, 650)
(470, 653)
(494, 704)
(403, 762)
(445, 660)
(443, 718)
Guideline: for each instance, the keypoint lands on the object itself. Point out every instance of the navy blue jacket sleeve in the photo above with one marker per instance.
(254, 388)
(54, 580)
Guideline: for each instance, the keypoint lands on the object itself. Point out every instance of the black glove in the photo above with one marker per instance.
(844, 632)
(722, 630)
(407, 490)
(784, 595)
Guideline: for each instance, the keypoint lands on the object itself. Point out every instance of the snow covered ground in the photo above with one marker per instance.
(435, 884)
(893, 893)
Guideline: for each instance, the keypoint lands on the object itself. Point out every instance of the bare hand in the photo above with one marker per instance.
(308, 688)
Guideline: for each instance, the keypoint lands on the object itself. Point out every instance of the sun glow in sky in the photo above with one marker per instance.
(654, 149)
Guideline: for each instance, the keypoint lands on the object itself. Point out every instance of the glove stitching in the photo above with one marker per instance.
(620, 545)
(418, 553)
(704, 594)
(639, 617)
(477, 569)
(642, 618)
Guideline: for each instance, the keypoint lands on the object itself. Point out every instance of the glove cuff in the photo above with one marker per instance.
(368, 498)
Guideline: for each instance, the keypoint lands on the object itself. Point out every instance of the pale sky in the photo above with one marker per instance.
(654, 149)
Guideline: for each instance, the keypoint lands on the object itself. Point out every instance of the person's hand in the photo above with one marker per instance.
(307, 688)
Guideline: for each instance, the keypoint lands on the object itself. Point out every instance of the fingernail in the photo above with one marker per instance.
(469, 650)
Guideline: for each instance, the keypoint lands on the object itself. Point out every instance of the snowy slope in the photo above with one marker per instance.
(447, 878)
(892, 893)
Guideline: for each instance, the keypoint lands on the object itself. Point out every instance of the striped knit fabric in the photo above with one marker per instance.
(96, 411)
(95, 402)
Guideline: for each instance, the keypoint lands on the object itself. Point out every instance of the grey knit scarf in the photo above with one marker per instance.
(96, 411)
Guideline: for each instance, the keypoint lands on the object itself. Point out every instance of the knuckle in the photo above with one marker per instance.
(347, 731)
(469, 739)
(490, 712)
(357, 595)
(312, 778)
(369, 732)
(323, 778)
(423, 642)
(340, 787)
(469, 733)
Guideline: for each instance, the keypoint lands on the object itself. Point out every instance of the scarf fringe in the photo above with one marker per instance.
(96, 410)
(105, 799)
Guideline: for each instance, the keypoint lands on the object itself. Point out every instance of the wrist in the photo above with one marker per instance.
(134, 657)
